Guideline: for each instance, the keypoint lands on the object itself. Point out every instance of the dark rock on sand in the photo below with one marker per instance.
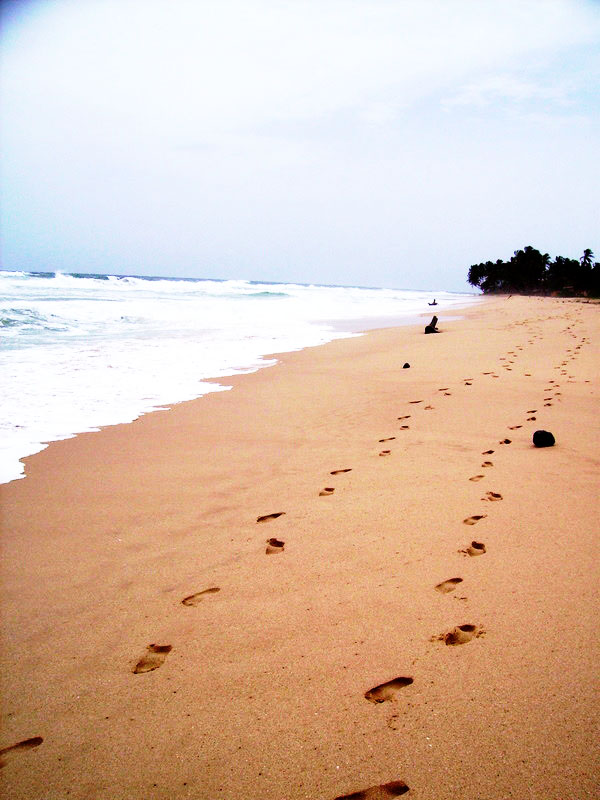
(543, 439)
(406, 366)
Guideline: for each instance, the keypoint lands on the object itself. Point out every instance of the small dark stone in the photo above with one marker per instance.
(543, 439)
(406, 366)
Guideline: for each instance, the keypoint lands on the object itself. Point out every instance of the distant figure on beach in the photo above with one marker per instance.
(432, 327)
(434, 302)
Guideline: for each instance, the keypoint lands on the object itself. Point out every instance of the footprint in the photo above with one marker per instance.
(385, 453)
(475, 518)
(153, 659)
(474, 549)
(476, 478)
(462, 634)
(194, 599)
(487, 452)
(27, 744)
(531, 419)
(468, 383)
(448, 586)
(514, 427)
(505, 441)
(274, 546)
(326, 491)
(389, 439)
(547, 404)
(448, 394)
(531, 411)
(444, 389)
(339, 471)
(413, 402)
(406, 416)
(387, 691)
(492, 496)
(404, 427)
(381, 792)
(428, 408)
(268, 517)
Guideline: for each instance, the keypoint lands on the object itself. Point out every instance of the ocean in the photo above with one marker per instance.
(79, 352)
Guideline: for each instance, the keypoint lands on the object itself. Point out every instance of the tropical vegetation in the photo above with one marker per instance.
(532, 272)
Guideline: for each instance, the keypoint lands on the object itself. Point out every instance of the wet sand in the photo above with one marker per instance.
(414, 613)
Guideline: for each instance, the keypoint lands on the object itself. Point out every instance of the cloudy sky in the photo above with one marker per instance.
(358, 142)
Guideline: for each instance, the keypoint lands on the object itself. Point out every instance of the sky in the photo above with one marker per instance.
(353, 142)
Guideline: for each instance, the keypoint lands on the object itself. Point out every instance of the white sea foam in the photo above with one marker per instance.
(82, 352)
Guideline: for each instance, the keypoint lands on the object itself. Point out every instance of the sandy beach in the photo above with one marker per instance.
(414, 613)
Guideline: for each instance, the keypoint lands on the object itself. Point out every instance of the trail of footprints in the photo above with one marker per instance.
(387, 692)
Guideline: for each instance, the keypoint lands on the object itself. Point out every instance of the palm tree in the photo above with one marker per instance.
(586, 258)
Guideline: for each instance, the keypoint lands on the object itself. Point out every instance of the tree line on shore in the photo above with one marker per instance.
(532, 272)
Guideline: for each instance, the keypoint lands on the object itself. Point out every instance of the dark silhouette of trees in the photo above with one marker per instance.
(532, 272)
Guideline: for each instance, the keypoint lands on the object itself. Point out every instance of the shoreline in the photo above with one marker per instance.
(263, 692)
(338, 328)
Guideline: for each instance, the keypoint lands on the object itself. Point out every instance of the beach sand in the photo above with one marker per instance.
(333, 663)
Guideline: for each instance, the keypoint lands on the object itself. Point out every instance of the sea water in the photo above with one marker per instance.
(79, 352)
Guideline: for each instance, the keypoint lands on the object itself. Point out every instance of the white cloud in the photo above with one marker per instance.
(508, 88)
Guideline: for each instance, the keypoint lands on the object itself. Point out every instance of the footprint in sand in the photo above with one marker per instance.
(413, 402)
(194, 599)
(492, 496)
(444, 389)
(268, 517)
(153, 659)
(387, 691)
(514, 427)
(487, 464)
(461, 634)
(340, 471)
(27, 744)
(487, 452)
(531, 419)
(385, 453)
(274, 546)
(389, 439)
(448, 394)
(474, 549)
(428, 408)
(326, 491)
(476, 478)
(531, 411)
(448, 586)
(505, 441)
(475, 518)
(406, 416)
(381, 792)
(404, 427)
